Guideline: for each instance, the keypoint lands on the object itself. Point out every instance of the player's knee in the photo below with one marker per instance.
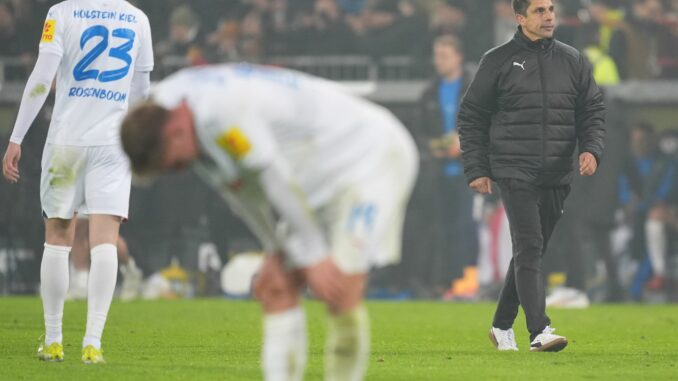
(275, 298)
(352, 296)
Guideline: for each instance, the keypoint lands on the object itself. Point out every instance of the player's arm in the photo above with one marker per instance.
(305, 244)
(140, 87)
(34, 96)
(141, 80)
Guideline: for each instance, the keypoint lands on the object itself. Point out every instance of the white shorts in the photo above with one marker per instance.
(364, 223)
(89, 180)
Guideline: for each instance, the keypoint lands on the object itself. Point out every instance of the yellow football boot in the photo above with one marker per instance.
(91, 355)
(53, 352)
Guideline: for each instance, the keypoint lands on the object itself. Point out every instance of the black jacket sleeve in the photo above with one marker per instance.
(590, 113)
(474, 120)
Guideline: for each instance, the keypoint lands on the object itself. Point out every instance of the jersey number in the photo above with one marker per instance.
(81, 73)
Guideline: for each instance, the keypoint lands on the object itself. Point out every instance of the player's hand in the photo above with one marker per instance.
(10, 163)
(587, 164)
(326, 281)
(482, 185)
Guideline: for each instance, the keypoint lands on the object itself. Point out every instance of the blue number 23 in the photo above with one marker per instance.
(81, 73)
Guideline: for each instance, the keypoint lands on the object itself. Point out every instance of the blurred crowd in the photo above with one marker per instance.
(638, 35)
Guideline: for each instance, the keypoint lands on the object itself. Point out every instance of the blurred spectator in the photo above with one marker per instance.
(607, 16)
(604, 68)
(633, 44)
(15, 43)
(278, 23)
(448, 197)
(321, 29)
(352, 7)
(449, 17)
(223, 43)
(390, 27)
(252, 36)
(185, 39)
(504, 22)
(9, 43)
(646, 185)
(668, 41)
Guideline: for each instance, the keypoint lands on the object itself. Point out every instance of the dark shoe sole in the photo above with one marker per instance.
(554, 346)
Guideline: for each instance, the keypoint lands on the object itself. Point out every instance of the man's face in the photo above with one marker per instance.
(539, 21)
(642, 142)
(178, 140)
(648, 9)
(446, 60)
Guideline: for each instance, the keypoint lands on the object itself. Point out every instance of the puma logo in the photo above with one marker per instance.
(520, 65)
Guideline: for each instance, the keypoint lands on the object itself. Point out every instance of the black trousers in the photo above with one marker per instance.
(532, 212)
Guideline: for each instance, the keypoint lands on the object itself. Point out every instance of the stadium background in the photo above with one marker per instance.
(381, 48)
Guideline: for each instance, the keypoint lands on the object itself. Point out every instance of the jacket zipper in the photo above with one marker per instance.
(542, 79)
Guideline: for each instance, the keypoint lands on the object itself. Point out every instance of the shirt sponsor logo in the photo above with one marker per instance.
(235, 143)
(48, 31)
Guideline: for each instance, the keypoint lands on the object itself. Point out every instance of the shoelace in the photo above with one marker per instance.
(91, 352)
(548, 330)
(505, 335)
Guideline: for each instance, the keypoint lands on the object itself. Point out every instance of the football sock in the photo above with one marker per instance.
(285, 347)
(80, 278)
(102, 276)
(348, 346)
(656, 246)
(53, 287)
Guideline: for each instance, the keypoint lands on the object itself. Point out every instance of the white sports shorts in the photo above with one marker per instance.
(364, 222)
(88, 180)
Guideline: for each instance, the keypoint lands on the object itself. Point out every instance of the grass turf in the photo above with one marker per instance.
(220, 340)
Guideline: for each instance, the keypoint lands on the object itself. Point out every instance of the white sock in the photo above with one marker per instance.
(103, 274)
(348, 346)
(656, 245)
(80, 278)
(53, 288)
(285, 347)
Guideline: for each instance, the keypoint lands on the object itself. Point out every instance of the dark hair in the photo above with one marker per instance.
(141, 136)
(520, 6)
(450, 40)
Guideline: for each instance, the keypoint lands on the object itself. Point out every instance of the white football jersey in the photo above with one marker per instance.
(248, 116)
(101, 44)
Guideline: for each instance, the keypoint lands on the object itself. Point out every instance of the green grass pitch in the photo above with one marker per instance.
(219, 340)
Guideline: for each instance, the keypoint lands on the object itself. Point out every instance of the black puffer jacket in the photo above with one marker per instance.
(527, 108)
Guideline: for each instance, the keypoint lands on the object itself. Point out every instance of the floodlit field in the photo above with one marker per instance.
(220, 340)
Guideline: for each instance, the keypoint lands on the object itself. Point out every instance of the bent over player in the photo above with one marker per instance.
(320, 176)
(101, 54)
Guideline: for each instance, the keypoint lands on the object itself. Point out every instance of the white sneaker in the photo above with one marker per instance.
(503, 340)
(131, 281)
(546, 341)
(565, 297)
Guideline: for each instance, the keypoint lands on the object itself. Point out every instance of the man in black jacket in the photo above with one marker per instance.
(532, 102)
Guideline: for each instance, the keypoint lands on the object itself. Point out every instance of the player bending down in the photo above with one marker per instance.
(320, 176)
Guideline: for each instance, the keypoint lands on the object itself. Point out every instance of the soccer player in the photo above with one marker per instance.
(101, 54)
(320, 176)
